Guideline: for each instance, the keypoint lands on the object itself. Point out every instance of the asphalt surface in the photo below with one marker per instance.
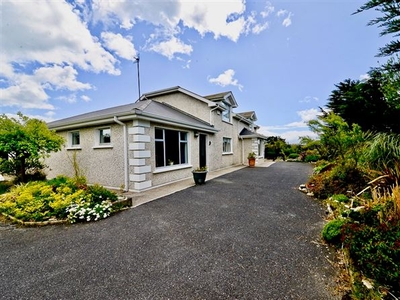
(249, 234)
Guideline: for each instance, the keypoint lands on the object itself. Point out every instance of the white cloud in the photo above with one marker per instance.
(269, 9)
(258, 28)
(71, 98)
(287, 21)
(224, 18)
(309, 99)
(25, 94)
(290, 136)
(58, 77)
(281, 12)
(85, 98)
(122, 46)
(43, 49)
(221, 18)
(365, 77)
(291, 132)
(47, 49)
(170, 47)
(52, 34)
(226, 79)
(308, 114)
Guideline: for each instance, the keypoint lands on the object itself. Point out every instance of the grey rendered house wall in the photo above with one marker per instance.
(102, 165)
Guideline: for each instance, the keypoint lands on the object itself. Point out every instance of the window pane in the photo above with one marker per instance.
(160, 162)
(159, 134)
(226, 145)
(183, 136)
(105, 136)
(75, 139)
(183, 153)
(172, 145)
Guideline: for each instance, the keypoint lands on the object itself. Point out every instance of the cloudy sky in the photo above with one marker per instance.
(279, 58)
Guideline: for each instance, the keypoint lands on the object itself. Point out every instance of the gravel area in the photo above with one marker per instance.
(249, 234)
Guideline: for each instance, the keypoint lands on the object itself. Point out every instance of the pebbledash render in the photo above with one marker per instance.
(157, 140)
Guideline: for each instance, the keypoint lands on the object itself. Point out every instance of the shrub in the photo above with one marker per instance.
(311, 158)
(332, 231)
(40, 201)
(99, 193)
(5, 186)
(338, 180)
(340, 198)
(375, 250)
(293, 156)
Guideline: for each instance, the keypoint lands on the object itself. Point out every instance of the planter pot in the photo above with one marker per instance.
(199, 177)
(252, 162)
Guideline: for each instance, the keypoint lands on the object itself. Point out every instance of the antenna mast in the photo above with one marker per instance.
(137, 60)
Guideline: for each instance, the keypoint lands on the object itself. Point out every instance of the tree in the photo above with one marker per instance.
(370, 103)
(390, 22)
(391, 88)
(275, 146)
(338, 141)
(24, 143)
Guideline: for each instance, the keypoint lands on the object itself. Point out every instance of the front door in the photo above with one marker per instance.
(202, 150)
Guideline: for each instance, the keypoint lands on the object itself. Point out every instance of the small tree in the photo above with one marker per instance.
(337, 140)
(24, 143)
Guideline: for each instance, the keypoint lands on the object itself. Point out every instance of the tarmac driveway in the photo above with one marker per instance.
(249, 234)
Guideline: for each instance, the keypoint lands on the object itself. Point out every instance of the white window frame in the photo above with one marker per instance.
(226, 114)
(72, 135)
(226, 141)
(100, 131)
(97, 136)
(182, 142)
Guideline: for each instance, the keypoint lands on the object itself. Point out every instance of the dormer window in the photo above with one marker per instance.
(226, 114)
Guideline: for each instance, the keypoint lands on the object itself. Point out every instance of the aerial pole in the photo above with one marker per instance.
(137, 60)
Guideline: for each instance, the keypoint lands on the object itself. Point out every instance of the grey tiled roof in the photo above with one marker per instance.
(246, 133)
(149, 109)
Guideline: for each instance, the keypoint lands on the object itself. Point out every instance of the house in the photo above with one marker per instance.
(156, 140)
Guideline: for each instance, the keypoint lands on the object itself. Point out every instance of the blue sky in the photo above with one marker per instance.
(279, 58)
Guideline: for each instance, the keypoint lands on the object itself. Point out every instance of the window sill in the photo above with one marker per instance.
(228, 122)
(227, 153)
(73, 148)
(171, 168)
(103, 147)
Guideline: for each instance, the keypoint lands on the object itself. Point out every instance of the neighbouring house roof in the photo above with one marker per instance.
(144, 109)
(246, 133)
(225, 96)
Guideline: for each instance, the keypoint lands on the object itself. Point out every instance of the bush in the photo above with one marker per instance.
(5, 186)
(375, 250)
(41, 200)
(99, 193)
(293, 156)
(340, 198)
(311, 158)
(338, 180)
(332, 231)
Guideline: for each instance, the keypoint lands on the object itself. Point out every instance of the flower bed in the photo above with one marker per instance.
(56, 201)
